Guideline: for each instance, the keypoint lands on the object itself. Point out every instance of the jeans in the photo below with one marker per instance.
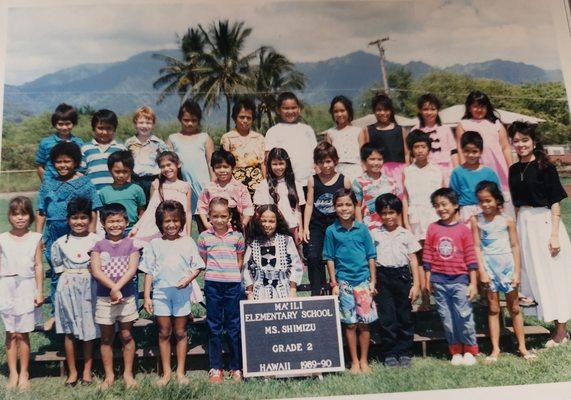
(314, 254)
(455, 311)
(223, 314)
(393, 304)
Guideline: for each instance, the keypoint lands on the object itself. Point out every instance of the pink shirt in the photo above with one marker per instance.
(235, 192)
(443, 143)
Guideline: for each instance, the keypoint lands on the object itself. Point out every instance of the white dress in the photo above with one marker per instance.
(346, 142)
(420, 183)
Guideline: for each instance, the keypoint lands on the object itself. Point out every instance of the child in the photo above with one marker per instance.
(273, 268)
(21, 287)
(398, 283)
(122, 191)
(350, 256)
(226, 186)
(167, 263)
(280, 188)
(64, 119)
(320, 211)
(145, 148)
(52, 203)
(114, 262)
(370, 185)
(95, 153)
(497, 248)
(222, 250)
(75, 296)
(389, 137)
(294, 137)
(451, 267)
(443, 148)
(465, 177)
(167, 187)
(194, 149)
(346, 138)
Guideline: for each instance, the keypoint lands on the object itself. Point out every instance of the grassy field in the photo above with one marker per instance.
(431, 373)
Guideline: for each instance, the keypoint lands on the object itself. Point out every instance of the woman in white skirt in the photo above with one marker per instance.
(536, 193)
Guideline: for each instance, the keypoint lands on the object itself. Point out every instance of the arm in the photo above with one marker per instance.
(405, 220)
(553, 243)
(40, 171)
(331, 272)
(188, 213)
(247, 276)
(93, 223)
(505, 145)
(514, 241)
(169, 144)
(327, 137)
(97, 273)
(459, 133)
(414, 292)
(299, 217)
(209, 148)
(147, 302)
(39, 275)
(296, 269)
(484, 277)
(473, 287)
(363, 138)
(373, 280)
(407, 158)
(308, 209)
(40, 222)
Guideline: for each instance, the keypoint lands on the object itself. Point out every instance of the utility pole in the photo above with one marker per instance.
(379, 43)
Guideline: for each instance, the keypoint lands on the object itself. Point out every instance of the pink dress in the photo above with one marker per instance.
(442, 149)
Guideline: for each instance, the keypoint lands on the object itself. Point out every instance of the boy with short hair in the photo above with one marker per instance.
(95, 153)
(122, 191)
(114, 262)
(64, 119)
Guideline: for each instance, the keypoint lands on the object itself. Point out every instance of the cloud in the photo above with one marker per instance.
(43, 39)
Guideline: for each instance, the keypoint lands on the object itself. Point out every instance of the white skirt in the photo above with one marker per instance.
(547, 279)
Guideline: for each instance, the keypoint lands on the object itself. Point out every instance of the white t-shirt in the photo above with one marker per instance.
(18, 254)
(299, 141)
(262, 196)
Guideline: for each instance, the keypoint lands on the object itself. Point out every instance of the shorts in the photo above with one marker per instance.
(500, 268)
(172, 302)
(22, 323)
(107, 313)
(356, 303)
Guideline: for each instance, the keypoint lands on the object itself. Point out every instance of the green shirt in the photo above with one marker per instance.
(130, 196)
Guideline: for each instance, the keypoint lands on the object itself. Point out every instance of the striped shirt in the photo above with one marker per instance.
(221, 253)
(94, 161)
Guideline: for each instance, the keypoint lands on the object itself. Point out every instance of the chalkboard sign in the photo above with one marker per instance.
(294, 336)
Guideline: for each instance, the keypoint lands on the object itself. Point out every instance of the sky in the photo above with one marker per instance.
(45, 39)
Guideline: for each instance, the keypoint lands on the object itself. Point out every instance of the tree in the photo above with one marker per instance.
(400, 82)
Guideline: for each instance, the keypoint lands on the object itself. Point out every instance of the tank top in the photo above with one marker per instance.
(494, 235)
(323, 208)
(389, 141)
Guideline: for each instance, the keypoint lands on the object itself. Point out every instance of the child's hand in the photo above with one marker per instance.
(292, 292)
(38, 300)
(184, 282)
(335, 291)
(472, 292)
(484, 278)
(133, 232)
(148, 305)
(115, 295)
(207, 225)
(414, 293)
(299, 236)
(515, 280)
(428, 289)
(554, 245)
(306, 236)
(372, 288)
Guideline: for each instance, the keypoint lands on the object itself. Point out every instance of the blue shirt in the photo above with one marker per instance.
(350, 250)
(94, 161)
(464, 181)
(130, 196)
(43, 153)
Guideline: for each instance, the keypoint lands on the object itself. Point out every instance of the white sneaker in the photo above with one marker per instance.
(469, 359)
(457, 360)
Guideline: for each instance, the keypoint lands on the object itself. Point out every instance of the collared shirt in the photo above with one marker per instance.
(235, 192)
(221, 253)
(145, 154)
(393, 248)
(350, 250)
(94, 161)
(43, 153)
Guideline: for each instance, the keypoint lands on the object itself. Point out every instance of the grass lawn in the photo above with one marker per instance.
(433, 372)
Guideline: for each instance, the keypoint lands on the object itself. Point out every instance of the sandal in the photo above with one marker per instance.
(552, 343)
(525, 301)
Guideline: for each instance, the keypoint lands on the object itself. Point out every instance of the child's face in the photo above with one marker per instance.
(445, 209)
(345, 208)
(487, 202)
(65, 166)
(278, 167)
(104, 133)
(289, 111)
(63, 127)
(120, 173)
(219, 216)
(268, 222)
(223, 172)
(374, 163)
(429, 112)
(169, 169)
(420, 151)
(390, 218)
(144, 126)
(478, 111)
(340, 114)
(189, 122)
(383, 114)
(327, 166)
(472, 154)
(172, 225)
(19, 219)
(79, 223)
(244, 120)
(115, 225)
(523, 144)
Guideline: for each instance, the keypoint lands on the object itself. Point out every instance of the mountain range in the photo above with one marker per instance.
(123, 86)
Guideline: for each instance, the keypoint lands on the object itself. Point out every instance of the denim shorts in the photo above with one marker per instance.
(171, 302)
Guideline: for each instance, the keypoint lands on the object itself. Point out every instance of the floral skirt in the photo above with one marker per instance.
(250, 176)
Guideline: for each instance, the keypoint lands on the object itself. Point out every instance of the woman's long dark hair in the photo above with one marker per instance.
(173, 157)
(255, 231)
(527, 129)
(482, 99)
(430, 99)
(278, 153)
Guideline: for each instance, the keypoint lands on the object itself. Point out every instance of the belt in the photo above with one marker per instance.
(392, 266)
(77, 270)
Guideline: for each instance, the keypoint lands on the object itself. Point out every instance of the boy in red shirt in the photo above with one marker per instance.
(450, 265)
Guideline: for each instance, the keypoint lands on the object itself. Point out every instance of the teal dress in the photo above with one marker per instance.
(192, 153)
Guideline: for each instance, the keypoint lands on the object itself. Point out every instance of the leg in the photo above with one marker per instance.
(425, 298)
(560, 331)
(351, 336)
(463, 318)
(494, 322)
(214, 319)
(181, 337)
(12, 359)
(231, 303)
(107, 336)
(87, 347)
(444, 307)
(403, 311)
(165, 332)
(315, 268)
(387, 313)
(512, 300)
(24, 345)
(364, 341)
(69, 345)
(128, 353)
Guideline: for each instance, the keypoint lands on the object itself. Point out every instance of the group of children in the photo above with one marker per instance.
(397, 216)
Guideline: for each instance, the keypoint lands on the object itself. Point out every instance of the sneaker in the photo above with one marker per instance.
(236, 375)
(391, 362)
(405, 361)
(457, 359)
(215, 375)
(469, 359)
